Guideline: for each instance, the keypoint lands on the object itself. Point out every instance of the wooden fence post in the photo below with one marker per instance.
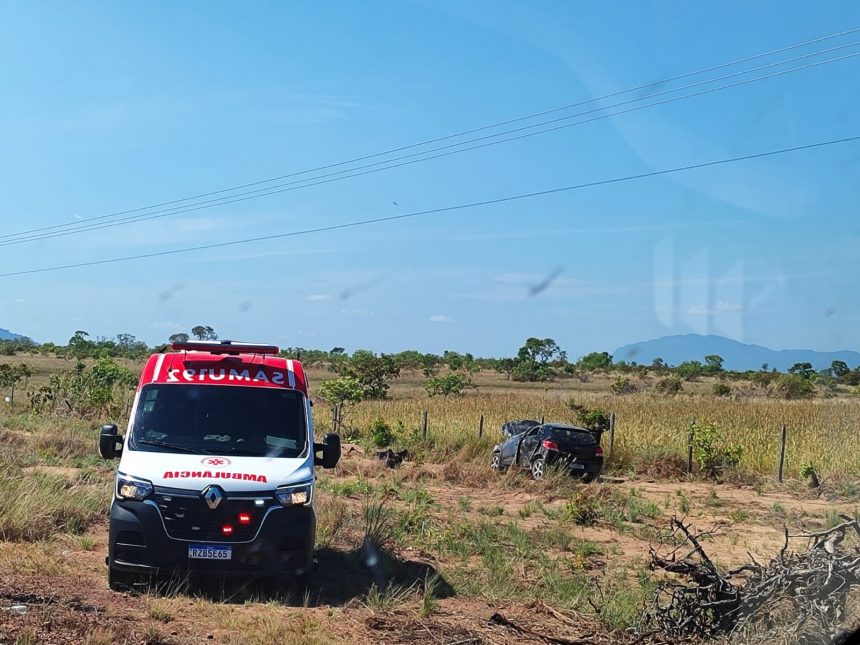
(690, 453)
(481, 427)
(542, 419)
(781, 455)
(424, 426)
(611, 432)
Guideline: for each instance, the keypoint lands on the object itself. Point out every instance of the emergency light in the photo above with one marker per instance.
(224, 347)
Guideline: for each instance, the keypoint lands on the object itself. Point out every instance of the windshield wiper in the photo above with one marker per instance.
(172, 446)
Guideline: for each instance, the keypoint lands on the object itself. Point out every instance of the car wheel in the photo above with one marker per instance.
(538, 469)
(588, 477)
(496, 461)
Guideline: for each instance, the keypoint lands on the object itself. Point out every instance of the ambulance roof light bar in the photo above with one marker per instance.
(224, 347)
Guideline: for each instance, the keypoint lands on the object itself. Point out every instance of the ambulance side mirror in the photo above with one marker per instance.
(110, 443)
(330, 449)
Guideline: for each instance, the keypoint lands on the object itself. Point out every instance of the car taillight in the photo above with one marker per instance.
(549, 444)
(227, 529)
(598, 452)
(244, 518)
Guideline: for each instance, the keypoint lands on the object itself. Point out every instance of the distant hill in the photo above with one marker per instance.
(737, 356)
(5, 334)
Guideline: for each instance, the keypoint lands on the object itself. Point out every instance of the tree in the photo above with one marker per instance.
(372, 372)
(659, 365)
(803, 370)
(506, 366)
(204, 332)
(130, 347)
(595, 361)
(839, 368)
(80, 346)
(178, 338)
(343, 392)
(10, 376)
(448, 385)
(690, 370)
(533, 360)
(713, 364)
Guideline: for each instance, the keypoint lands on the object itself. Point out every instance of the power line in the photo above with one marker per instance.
(316, 181)
(446, 137)
(435, 211)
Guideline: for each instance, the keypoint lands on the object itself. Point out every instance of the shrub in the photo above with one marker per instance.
(722, 389)
(372, 372)
(670, 386)
(792, 386)
(380, 433)
(101, 390)
(622, 385)
(594, 419)
(713, 455)
(448, 385)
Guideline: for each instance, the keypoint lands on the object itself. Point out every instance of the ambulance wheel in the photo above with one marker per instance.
(120, 580)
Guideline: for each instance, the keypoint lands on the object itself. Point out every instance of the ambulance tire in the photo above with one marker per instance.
(120, 580)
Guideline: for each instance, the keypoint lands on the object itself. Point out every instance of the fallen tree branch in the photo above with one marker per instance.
(700, 601)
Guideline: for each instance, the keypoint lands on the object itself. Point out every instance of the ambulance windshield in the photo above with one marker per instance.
(220, 420)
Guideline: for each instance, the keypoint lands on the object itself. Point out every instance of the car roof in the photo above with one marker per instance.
(237, 369)
(562, 426)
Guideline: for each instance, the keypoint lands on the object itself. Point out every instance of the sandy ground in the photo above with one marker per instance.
(56, 592)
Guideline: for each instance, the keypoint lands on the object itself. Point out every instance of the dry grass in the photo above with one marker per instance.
(822, 432)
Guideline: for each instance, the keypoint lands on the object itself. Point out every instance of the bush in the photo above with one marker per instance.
(380, 433)
(102, 390)
(792, 386)
(721, 389)
(372, 372)
(448, 385)
(713, 455)
(670, 386)
(622, 385)
(594, 419)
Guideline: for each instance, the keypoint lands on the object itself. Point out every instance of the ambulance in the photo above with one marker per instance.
(216, 468)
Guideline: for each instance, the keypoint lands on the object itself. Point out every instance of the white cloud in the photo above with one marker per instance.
(316, 297)
(721, 307)
(439, 318)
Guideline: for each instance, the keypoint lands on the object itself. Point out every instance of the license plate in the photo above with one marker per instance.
(209, 552)
(577, 466)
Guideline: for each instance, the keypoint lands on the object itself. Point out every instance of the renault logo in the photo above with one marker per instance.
(213, 496)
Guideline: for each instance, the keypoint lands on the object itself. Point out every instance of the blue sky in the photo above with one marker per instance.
(112, 106)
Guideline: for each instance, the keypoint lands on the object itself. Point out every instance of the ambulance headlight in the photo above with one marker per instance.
(131, 488)
(300, 495)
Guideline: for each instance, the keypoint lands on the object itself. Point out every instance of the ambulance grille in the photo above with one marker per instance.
(188, 517)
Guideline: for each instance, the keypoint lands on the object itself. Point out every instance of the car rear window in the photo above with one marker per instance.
(581, 437)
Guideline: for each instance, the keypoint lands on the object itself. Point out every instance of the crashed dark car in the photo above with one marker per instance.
(570, 448)
(514, 428)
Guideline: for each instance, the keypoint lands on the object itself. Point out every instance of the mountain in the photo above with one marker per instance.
(737, 356)
(5, 334)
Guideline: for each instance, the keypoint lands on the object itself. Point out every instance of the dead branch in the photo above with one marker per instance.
(700, 601)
